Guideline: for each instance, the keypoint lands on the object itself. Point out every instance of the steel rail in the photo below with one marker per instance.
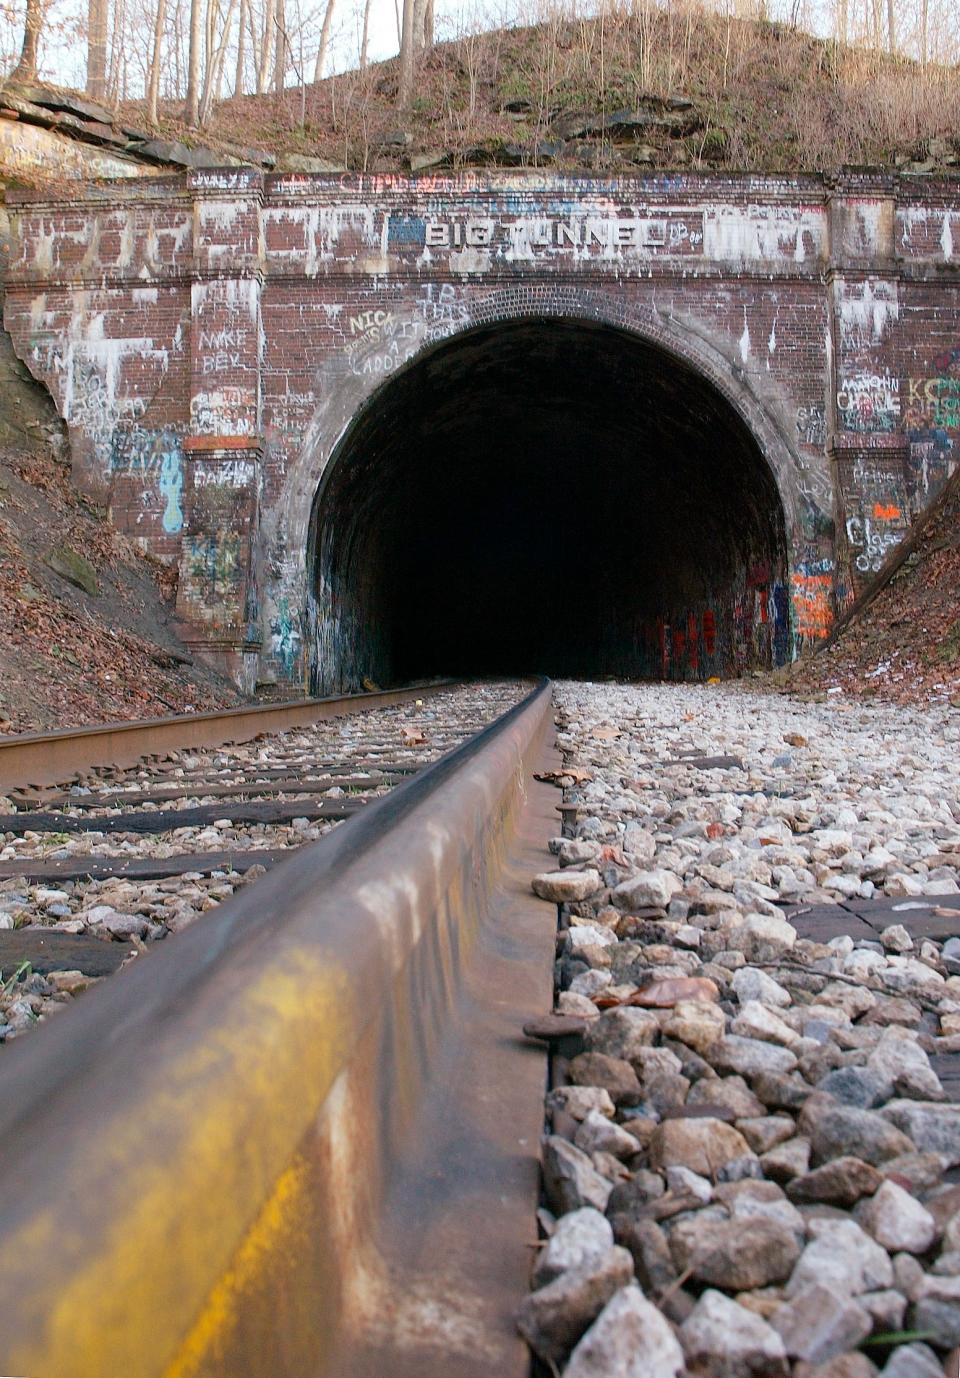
(47, 758)
(300, 1139)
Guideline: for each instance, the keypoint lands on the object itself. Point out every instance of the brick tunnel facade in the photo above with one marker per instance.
(390, 427)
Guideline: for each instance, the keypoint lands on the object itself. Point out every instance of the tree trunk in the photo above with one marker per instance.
(192, 113)
(366, 35)
(153, 81)
(241, 50)
(266, 50)
(325, 39)
(97, 49)
(26, 68)
(924, 54)
(891, 28)
(405, 93)
(428, 24)
(215, 79)
(280, 52)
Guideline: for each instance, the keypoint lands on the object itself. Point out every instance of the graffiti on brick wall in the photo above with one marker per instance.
(872, 537)
(285, 638)
(154, 460)
(869, 402)
(932, 412)
(214, 565)
(811, 587)
(229, 473)
(811, 426)
(229, 410)
(378, 342)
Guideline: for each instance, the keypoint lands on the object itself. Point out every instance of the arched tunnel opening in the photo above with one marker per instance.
(547, 495)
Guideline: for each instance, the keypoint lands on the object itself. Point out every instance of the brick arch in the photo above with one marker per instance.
(346, 392)
(344, 395)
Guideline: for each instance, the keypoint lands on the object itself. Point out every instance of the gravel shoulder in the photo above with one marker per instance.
(750, 1157)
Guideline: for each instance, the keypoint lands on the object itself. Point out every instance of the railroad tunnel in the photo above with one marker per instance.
(550, 496)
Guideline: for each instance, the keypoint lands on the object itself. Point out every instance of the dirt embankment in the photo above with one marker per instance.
(85, 618)
(904, 646)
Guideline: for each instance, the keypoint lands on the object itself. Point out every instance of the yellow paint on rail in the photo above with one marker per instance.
(121, 1313)
(286, 1206)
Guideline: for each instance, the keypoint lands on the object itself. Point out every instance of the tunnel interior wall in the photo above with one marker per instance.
(554, 496)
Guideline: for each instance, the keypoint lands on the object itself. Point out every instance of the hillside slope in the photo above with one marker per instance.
(653, 89)
(904, 646)
(69, 654)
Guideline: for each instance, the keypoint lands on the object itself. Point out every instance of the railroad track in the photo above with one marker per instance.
(301, 1137)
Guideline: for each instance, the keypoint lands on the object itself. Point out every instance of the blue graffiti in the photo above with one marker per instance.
(171, 489)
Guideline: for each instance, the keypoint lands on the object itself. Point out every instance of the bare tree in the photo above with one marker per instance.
(280, 53)
(97, 48)
(192, 113)
(26, 68)
(153, 76)
(241, 49)
(891, 28)
(216, 57)
(365, 35)
(405, 93)
(266, 46)
(325, 39)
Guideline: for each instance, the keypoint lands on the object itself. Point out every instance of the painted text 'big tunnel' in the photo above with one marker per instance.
(547, 495)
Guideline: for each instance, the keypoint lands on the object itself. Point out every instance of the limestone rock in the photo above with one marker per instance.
(748, 1056)
(578, 1101)
(912, 1361)
(613, 1074)
(647, 889)
(570, 1179)
(842, 1258)
(841, 1182)
(581, 1238)
(553, 1318)
(897, 1220)
(696, 1023)
(932, 1128)
(724, 1340)
(837, 1131)
(702, 1145)
(622, 1032)
(597, 1134)
(819, 1323)
(739, 1254)
(630, 1339)
(563, 886)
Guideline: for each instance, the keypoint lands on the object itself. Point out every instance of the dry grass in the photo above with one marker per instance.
(764, 97)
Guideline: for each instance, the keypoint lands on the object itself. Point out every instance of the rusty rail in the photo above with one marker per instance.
(300, 1138)
(46, 758)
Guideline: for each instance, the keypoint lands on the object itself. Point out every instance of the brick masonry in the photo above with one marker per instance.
(210, 338)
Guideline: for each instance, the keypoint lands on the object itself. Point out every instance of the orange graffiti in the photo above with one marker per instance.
(885, 511)
(811, 601)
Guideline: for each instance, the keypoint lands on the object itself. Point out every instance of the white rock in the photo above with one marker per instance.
(589, 935)
(724, 1340)
(750, 983)
(580, 1238)
(897, 1220)
(647, 889)
(597, 1134)
(682, 1182)
(564, 886)
(841, 1257)
(757, 1021)
(629, 1339)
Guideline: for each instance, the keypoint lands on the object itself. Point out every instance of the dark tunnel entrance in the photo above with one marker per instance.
(547, 495)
